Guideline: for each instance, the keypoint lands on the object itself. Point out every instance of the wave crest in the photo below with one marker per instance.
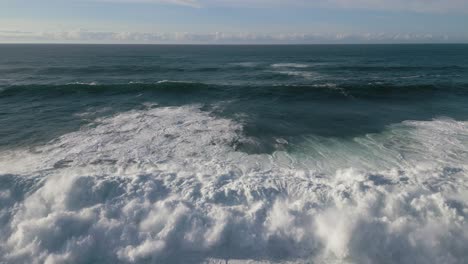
(165, 185)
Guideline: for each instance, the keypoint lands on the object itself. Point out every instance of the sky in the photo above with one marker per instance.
(234, 21)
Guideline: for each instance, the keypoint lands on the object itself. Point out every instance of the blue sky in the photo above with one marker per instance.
(231, 21)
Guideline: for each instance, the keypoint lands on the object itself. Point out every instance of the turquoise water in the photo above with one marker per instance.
(176, 154)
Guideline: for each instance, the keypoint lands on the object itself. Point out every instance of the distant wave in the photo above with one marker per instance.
(165, 185)
(289, 65)
(247, 64)
(303, 74)
(133, 69)
(384, 68)
(317, 88)
(149, 69)
(83, 83)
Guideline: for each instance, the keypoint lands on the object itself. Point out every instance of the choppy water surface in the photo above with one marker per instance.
(208, 154)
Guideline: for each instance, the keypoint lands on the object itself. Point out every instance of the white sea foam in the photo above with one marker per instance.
(164, 185)
(170, 81)
(289, 65)
(326, 85)
(83, 83)
(303, 74)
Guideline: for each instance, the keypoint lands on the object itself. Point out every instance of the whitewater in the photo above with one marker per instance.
(165, 184)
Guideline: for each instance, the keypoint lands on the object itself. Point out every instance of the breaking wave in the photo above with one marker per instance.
(166, 185)
(318, 88)
(289, 65)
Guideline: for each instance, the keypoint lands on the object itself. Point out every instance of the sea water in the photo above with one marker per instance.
(215, 154)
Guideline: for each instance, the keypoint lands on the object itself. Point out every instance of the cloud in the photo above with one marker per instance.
(85, 36)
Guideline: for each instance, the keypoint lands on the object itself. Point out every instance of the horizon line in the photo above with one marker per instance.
(234, 44)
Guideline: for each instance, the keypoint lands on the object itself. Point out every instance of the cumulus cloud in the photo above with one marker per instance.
(85, 36)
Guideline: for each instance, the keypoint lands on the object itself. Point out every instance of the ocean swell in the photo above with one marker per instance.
(319, 88)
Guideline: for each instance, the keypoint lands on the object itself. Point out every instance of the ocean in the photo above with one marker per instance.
(233, 154)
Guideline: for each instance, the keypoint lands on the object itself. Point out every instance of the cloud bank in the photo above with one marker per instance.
(85, 36)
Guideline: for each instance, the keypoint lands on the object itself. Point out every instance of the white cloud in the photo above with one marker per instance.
(85, 36)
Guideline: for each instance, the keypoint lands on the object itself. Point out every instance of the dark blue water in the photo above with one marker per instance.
(215, 154)
(280, 91)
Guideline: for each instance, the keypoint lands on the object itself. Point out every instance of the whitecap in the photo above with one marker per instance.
(303, 74)
(172, 81)
(326, 85)
(165, 185)
(83, 83)
(289, 65)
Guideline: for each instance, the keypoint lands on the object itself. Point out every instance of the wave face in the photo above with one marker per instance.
(302, 154)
